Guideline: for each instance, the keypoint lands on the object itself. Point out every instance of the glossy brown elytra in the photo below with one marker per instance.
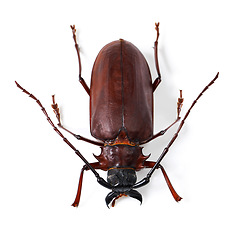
(121, 118)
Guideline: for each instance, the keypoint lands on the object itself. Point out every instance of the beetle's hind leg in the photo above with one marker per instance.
(95, 165)
(81, 80)
(55, 107)
(158, 79)
(150, 164)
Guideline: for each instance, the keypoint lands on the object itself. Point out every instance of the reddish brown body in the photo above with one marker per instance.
(121, 118)
(121, 104)
(121, 94)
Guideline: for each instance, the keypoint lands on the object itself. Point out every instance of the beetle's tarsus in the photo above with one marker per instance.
(55, 107)
(157, 29)
(73, 27)
(179, 104)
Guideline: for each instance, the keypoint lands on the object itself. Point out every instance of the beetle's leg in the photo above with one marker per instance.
(147, 178)
(99, 178)
(162, 132)
(158, 79)
(179, 104)
(95, 165)
(150, 164)
(82, 81)
(55, 107)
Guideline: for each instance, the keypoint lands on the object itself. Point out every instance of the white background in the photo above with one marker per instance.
(209, 162)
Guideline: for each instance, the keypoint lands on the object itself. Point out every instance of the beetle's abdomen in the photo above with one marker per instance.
(121, 95)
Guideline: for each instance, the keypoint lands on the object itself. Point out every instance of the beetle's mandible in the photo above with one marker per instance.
(121, 118)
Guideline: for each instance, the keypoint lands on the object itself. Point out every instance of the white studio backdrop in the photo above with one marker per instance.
(208, 164)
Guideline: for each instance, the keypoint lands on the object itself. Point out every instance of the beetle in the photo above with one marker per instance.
(121, 118)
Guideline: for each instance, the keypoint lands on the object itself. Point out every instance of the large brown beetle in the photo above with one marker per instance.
(121, 118)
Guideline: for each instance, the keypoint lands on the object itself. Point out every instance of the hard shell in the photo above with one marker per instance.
(121, 94)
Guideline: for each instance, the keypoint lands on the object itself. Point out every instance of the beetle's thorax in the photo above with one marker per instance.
(120, 156)
(121, 153)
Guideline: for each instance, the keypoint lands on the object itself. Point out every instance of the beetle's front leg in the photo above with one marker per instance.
(95, 165)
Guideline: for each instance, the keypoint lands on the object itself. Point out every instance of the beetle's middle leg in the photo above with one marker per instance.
(82, 81)
(162, 132)
(55, 107)
(150, 164)
(95, 165)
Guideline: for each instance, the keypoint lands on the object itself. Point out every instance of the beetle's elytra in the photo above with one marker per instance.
(121, 118)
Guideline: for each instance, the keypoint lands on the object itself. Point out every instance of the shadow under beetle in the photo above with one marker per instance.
(121, 118)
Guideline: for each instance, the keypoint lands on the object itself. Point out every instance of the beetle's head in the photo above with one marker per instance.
(122, 181)
(121, 161)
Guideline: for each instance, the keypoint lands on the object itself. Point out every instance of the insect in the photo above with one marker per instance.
(121, 118)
